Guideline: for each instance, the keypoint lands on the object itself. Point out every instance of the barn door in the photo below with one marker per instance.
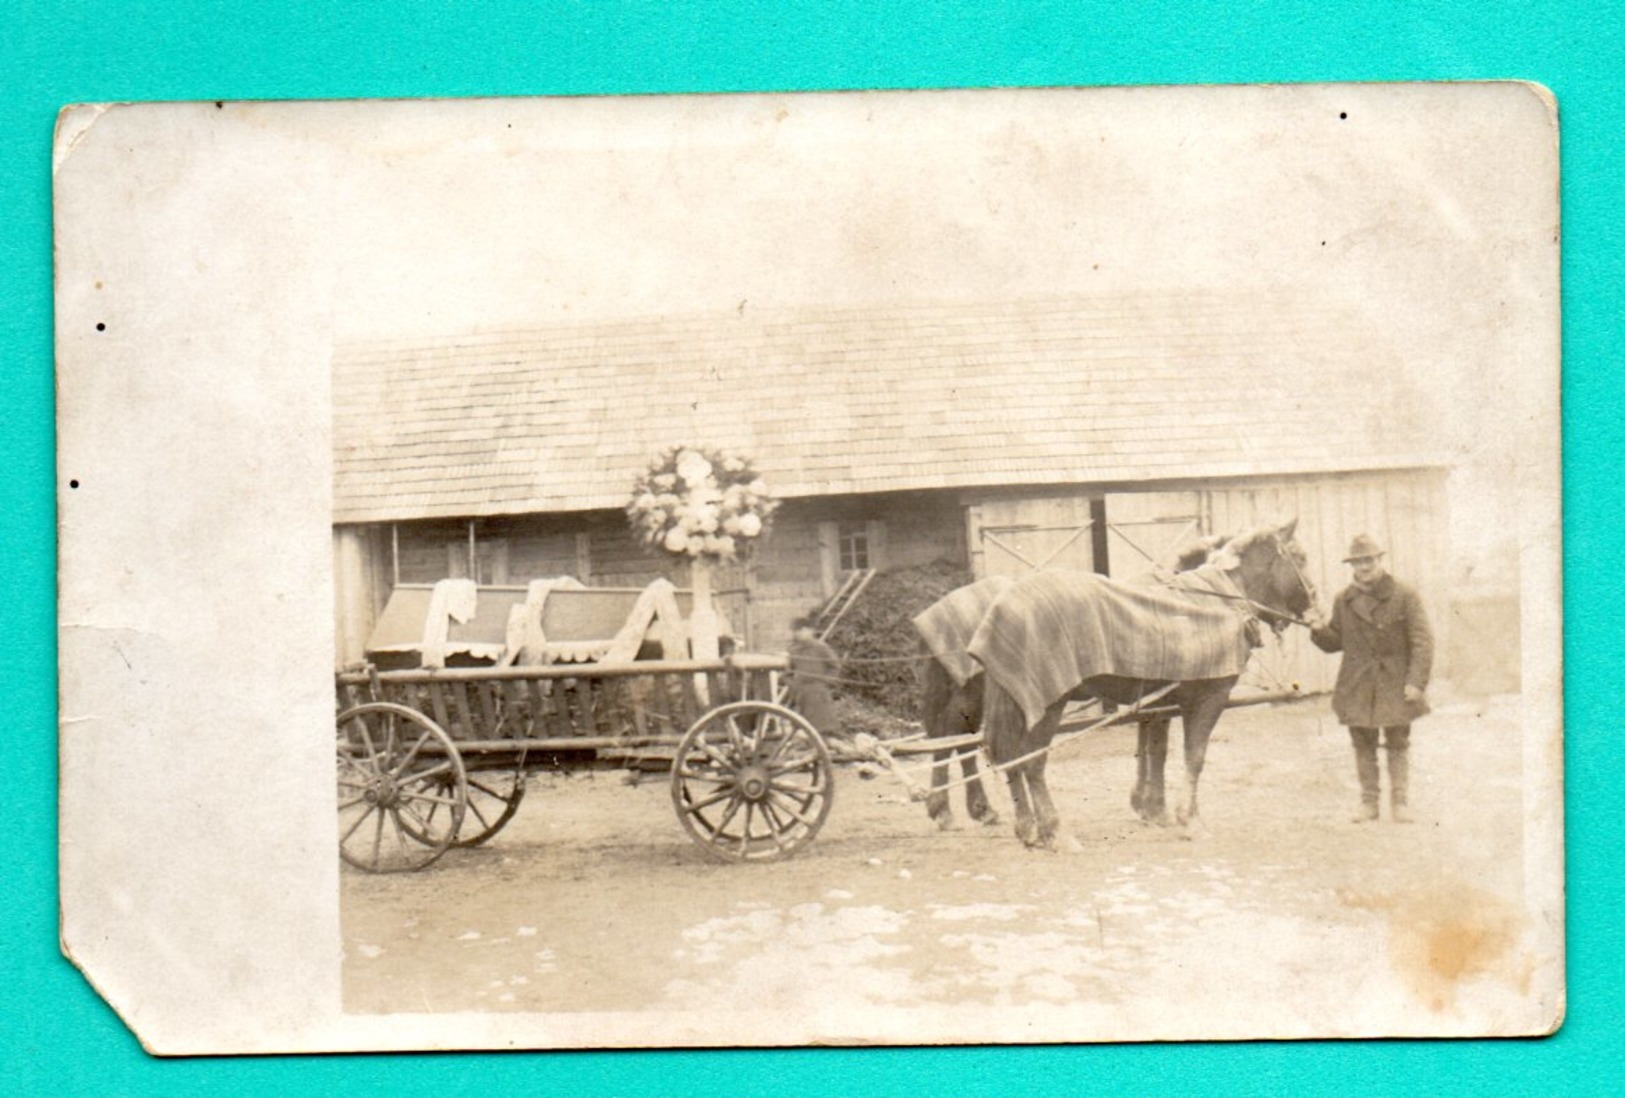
(1146, 530)
(1012, 537)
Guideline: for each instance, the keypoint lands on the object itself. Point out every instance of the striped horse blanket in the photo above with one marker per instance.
(1050, 631)
(948, 624)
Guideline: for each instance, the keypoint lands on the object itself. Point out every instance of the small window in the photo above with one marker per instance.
(491, 562)
(846, 547)
(853, 538)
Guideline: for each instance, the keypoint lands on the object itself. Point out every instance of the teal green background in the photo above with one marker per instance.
(56, 1037)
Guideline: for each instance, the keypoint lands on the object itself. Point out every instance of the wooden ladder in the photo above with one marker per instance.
(851, 587)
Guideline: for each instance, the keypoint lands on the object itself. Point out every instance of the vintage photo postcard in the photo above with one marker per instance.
(866, 568)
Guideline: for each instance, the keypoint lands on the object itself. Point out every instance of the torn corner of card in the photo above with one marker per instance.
(379, 422)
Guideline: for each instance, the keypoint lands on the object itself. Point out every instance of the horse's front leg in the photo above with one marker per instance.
(936, 702)
(969, 705)
(1050, 836)
(1198, 719)
(1136, 799)
(1150, 796)
(1046, 821)
(936, 802)
(977, 805)
(1026, 822)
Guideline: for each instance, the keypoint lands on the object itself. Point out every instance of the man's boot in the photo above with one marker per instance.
(1365, 765)
(1399, 774)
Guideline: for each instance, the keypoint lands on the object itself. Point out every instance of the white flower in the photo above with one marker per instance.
(757, 487)
(692, 467)
(726, 546)
(749, 525)
(665, 481)
(730, 525)
(677, 540)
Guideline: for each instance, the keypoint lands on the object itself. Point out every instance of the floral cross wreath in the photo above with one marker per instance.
(695, 502)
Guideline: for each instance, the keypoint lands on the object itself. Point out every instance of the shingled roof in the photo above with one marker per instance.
(838, 401)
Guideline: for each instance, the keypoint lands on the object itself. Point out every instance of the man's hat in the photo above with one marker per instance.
(1363, 545)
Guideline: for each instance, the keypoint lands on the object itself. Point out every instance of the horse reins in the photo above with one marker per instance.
(1303, 581)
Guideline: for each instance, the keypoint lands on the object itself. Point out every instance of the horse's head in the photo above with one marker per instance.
(1271, 568)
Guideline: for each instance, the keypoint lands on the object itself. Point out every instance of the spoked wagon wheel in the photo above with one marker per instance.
(752, 782)
(493, 798)
(401, 788)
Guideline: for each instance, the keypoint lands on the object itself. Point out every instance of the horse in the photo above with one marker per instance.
(951, 693)
(952, 689)
(1045, 641)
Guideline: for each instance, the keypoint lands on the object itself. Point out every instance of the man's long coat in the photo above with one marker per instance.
(1386, 644)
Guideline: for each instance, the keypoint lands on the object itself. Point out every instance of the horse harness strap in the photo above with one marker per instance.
(1253, 604)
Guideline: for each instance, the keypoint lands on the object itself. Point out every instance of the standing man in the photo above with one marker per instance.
(1380, 627)
(814, 668)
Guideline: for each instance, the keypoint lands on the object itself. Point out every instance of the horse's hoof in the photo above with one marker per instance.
(987, 818)
(1050, 838)
(946, 822)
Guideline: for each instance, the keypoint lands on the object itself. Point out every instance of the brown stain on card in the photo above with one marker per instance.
(1450, 937)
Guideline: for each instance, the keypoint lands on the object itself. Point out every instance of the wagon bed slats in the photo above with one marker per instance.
(606, 700)
(515, 707)
(437, 701)
(546, 695)
(586, 696)
(487, 693)
(459, 694)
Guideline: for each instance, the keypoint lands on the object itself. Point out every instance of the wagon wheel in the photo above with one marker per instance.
(400, 778)
(752, 782)
(493, 798)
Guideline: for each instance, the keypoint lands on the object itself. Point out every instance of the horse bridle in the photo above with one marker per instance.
(1303, 582)
(1263, 610)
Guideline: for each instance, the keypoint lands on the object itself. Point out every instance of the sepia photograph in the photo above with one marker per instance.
(932, 567)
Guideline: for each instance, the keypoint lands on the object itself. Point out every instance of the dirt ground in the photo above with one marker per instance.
(1283, 914)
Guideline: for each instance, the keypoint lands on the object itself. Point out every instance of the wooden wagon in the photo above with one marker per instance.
(431, 757)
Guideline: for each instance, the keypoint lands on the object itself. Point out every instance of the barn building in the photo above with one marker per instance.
(1079, 433)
